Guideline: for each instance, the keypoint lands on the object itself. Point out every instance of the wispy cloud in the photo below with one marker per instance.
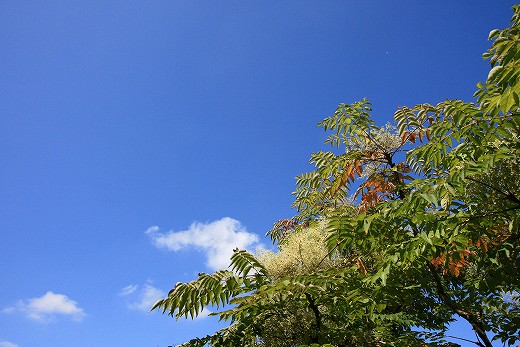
(129, 289)
(204, 313)
(143, 297)
(4, 343)
(216, 239)
(46, 307)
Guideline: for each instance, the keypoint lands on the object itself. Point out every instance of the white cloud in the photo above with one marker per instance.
(144, 297)
(46, 307)
(129, 289)
(4, 343)
(9, 309)
(203, 314)
(152, 229)
(216, 239)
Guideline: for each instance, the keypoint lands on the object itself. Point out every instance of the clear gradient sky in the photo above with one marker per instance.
(141, 141)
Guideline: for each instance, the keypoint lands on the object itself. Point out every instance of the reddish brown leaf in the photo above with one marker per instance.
(404, 137)
(361, 266)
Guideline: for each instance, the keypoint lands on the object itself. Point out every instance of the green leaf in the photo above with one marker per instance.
(493, 33)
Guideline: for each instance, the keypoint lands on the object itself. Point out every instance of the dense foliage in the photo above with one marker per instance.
(400, 229)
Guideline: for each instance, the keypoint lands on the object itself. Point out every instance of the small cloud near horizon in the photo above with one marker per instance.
(46, 308)
(129, 289)
(144, 297)
(5, 343)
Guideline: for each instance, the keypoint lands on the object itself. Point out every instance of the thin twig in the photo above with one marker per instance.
(508, 195)
(460, 338)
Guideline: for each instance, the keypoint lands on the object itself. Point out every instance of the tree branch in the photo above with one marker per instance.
(317, 316)
(508, 195)
(460, 338)
(476, 324)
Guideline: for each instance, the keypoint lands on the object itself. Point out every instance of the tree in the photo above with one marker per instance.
(405, 229)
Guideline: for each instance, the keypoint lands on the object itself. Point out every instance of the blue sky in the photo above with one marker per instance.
(140, 141)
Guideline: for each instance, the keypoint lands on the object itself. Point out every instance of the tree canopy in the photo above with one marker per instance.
(399, 230)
